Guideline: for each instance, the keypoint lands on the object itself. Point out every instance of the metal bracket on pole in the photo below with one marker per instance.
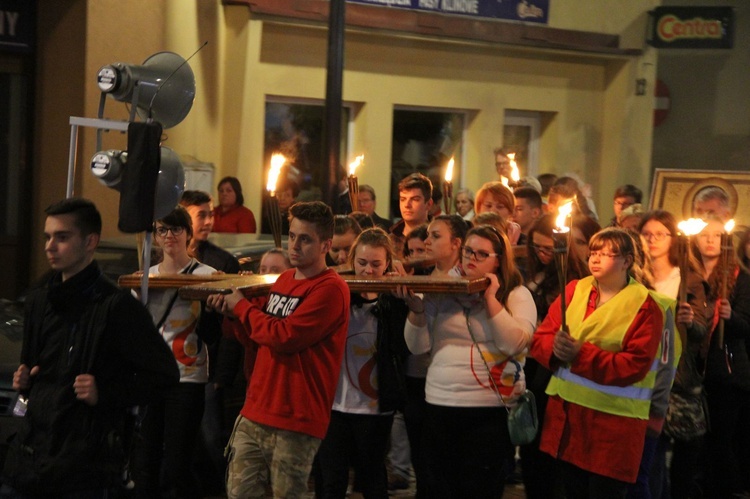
(101, 125)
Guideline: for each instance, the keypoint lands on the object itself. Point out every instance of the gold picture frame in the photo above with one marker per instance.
(675, 191)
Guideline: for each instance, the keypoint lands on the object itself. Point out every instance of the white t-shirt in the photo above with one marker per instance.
(357, 391)
(179, 328)
(670, 286)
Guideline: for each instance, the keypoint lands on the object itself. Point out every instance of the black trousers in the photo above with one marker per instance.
(465, 451)
(582, 484)
(358, 440)
(164, 446)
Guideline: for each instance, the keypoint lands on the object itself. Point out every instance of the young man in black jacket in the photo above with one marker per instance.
(90, 352)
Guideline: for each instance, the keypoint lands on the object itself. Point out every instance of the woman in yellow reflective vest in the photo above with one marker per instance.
(604, 368)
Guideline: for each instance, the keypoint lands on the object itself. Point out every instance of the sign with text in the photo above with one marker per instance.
(535, 11)
(16, 25)
(692, 27)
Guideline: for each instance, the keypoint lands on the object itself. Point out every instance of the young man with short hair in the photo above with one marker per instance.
(415, 201)
(200, 207)
(300, 334)
(527, 210)
(90, 352)
(625, 196)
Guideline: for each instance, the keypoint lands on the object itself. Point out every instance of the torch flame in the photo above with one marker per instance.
(277, 161)
(515, 174)
(691, 226)
(729, 226)
(449, 171)
(355, 164)
(563, 212)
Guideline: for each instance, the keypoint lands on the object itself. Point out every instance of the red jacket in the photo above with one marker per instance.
(300, 336)
(238, 220)
(592, 440)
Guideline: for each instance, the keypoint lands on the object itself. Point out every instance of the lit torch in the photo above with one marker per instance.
(727, 261)
(272, 202)
(515, 174)
(561, 238)
(353, 182)
(448, 187)
(688, 228)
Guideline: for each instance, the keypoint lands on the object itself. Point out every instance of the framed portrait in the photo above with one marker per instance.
(699, 193)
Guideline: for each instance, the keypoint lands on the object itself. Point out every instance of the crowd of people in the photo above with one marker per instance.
(640, 368)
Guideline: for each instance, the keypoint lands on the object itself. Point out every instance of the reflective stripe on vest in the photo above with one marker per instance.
(606, 328)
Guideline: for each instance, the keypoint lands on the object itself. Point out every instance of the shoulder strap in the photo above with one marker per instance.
(189, 270)
(479, 350)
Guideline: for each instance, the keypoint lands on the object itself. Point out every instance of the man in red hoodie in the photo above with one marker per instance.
(300, 333)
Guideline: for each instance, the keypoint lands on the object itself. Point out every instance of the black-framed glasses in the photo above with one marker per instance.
(176, 231)
(478, 255)
(656, 236)
(547, 250)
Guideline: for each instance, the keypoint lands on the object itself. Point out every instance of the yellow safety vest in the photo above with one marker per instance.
(606, 328)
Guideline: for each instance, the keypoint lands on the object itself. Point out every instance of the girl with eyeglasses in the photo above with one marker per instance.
(466, 442)
(659, 229)
(163, 452)
(542, 280)
(371, 384)
(727, 365)
(599, 394)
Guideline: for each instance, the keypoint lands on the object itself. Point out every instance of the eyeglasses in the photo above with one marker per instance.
(176, 231)
(547, 250)
(600, 254)
(656, 236)
(478, 255)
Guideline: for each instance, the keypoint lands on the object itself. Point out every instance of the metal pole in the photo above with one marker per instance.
(72, 160)
(332, 125)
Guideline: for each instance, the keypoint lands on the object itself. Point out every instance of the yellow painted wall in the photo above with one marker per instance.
(596, 125)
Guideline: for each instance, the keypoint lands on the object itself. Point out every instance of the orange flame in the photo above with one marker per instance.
(449, 171)
(356, 163)
(691, 226)
(277, 161)
(729, 226)
(563, 212)
(515, 174)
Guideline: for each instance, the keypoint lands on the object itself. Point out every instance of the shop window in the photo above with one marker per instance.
(521, 135)
(424, 141)
(294, 128)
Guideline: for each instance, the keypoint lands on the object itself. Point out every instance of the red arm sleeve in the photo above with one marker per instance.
(317, 316)
(544, 336)
(241, 327)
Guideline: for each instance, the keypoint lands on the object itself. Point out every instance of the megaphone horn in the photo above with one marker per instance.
(166, 87)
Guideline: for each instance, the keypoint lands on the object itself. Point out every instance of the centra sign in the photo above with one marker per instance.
(692, 27)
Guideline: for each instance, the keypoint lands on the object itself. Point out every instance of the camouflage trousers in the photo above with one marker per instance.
(259, 454)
